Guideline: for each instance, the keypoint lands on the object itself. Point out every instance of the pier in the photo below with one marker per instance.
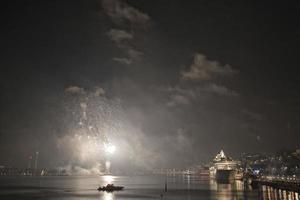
(283, 183)
(278, 187)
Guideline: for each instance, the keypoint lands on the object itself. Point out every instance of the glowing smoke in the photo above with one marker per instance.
(98, 131)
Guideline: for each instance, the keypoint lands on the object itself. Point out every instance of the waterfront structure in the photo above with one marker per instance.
(225, 168)
(36, 160)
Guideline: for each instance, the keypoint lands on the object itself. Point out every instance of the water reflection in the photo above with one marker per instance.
(108, 196)
(228, 185)
(108, 179)
(229, 190)
(188, 181)
(270, 193)
(136, 187)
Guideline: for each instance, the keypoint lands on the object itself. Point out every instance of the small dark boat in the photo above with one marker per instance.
(110, 188)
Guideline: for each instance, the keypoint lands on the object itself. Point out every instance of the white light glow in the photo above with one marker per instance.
(108, 196)
(108, 179)
(109, 148)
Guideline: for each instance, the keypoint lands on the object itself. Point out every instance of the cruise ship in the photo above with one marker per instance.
(225, 168)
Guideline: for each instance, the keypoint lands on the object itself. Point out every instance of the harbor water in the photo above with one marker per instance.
(136, 187)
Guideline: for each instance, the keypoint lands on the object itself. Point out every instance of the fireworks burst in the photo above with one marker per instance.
(93, 121)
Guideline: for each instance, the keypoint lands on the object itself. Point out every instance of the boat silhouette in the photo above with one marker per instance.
(110, 188)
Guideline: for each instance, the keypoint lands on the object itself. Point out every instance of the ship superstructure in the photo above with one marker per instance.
(225, 168)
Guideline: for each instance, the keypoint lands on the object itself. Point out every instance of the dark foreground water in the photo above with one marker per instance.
(136, 187)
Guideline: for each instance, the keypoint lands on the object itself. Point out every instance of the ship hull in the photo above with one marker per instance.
(223, 175)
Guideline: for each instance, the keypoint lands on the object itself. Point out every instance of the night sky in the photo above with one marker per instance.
(169, 82)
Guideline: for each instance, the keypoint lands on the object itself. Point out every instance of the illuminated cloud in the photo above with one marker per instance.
(252, 115)
(126, 61)
(130, 22)
(119, 36)
(120, 13)
(219, 90)
(135, 54)
(74, 90)
(178, 99)
(180, 95)
(203, 69)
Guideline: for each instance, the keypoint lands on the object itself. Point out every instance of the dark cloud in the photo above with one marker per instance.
(253, 115)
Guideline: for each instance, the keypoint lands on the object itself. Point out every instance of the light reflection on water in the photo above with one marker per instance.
(270, 193)
(108, 179)
(108, 196)
(228, 186)
(136, 187)
(231, 190)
